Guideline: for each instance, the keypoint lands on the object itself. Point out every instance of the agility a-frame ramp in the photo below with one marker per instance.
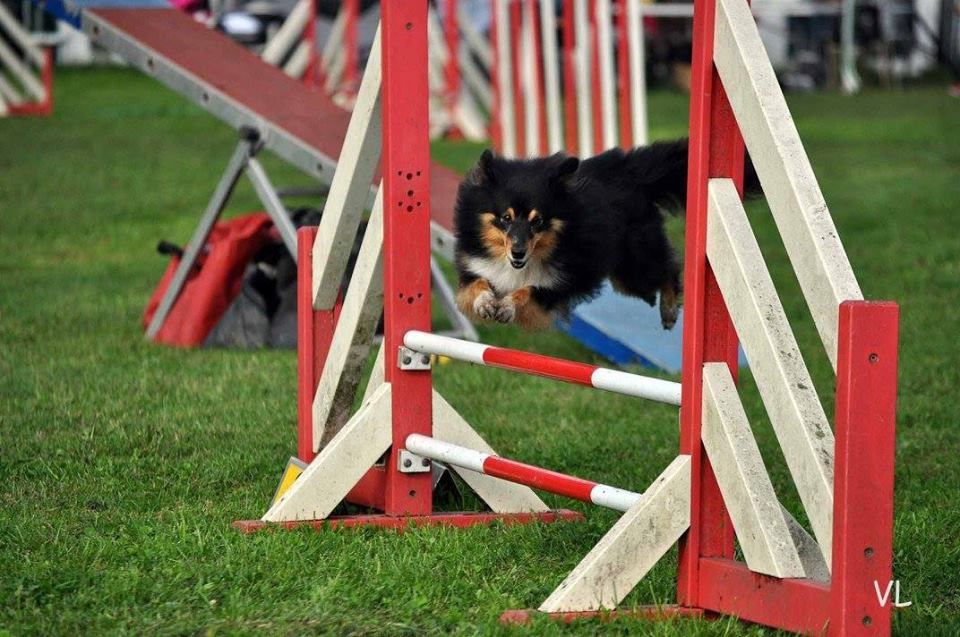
(717, 492)
(270, 110)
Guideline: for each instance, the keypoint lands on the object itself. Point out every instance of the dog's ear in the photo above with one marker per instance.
(483, 172)
(565, 170)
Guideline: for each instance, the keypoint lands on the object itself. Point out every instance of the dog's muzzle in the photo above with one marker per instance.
(518, 260)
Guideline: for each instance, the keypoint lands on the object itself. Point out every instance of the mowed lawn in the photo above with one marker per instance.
(122, 463)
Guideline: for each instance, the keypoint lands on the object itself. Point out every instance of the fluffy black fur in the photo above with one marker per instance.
(606, 214)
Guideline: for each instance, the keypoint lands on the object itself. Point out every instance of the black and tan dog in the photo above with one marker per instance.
(535, 237)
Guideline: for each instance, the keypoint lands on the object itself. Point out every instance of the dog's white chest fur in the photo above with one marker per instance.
(505, 278)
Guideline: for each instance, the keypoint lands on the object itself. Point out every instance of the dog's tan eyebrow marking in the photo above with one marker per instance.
(511, 214)
(533, 215)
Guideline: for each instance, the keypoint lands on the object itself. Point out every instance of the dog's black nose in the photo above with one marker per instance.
(518, 255)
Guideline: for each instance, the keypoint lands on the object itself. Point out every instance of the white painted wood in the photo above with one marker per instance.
(775, 360)
(442, 241)
(353, 335)
(8, 93)
(4, 109)
(296, 66)
(551, 76)
(334, 72)
(631, 547)
(475, 79)
(814, 566)
(508, 120)
(636, 43)
(21, 71)
(582, 71)
(501, 496)
(12, 27)
(377, 376)
(744, 482)
(477, 43)
(340, 465)
(528, 71)
(356, 166)
(608, 87)
(334, 43)
(798, 207)
(289, 34)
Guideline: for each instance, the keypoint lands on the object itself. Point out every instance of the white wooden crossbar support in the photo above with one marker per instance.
(8, 93)
(296, 66)
(798, 207)
(756, 514)
(22, 71)
(582, 71)
(785, 386)
(353, 335)
(17, 33)
(289, 34)
(551, 76)
(349, 189)
(477, 43)
(504, 62)
(339, 465)
(334, 43)
(608, 99)
(630, 548)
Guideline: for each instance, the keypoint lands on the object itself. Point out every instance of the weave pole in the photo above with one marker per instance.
(525, 474)
(618, 382)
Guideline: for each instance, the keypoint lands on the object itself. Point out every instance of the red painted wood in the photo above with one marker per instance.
(314, 335)
(864, 467)
(525, 616)
(569, 81)
(370, 489)
(623, 74)
(496, 78)
(351, 64)
(451, 71)
(458, 520)
(406, 246)
(538, 478)
(716, 150)
(797, 605)
(539, 365)
(516, 22)
(312, 74)
(44, 107)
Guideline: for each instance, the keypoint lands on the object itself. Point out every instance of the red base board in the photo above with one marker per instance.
(459, 520)
(641, 612)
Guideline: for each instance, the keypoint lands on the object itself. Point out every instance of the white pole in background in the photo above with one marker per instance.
(508, 124)
(551, 76)
(608, 89)
(581, 21)
(638, 74)
(528, 57)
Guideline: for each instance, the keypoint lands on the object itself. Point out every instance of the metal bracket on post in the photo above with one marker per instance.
(410, 462)
(411, 361)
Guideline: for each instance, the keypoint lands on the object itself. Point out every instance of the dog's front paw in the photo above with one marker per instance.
(507, 311)
(486, 306)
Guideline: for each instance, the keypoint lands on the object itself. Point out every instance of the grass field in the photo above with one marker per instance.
(122, 463)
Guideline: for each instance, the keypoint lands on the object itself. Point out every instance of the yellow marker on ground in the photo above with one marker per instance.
(291, 472)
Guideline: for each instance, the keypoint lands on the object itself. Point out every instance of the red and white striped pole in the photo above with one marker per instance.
(520, 473)
(663, 391)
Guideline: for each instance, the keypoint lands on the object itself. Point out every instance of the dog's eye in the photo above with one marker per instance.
(536, 223)
(505, 219)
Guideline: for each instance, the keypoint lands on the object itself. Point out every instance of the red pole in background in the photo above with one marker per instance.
(569, 83)
(516, 11)
(623, 74)
(312, 74)
(350, 69)
(451, 72)
(406, 241)
(716, 150)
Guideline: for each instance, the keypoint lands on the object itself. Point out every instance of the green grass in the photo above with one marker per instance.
(122, 463)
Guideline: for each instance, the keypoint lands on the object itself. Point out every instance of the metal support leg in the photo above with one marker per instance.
(462, 327)
(274, 207)
(238, 161)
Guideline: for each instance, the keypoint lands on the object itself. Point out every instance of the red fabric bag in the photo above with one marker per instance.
(215, 281)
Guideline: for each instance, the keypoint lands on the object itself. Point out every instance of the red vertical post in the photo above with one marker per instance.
(716, 150)
(623, 75)
(314, 335)
(350, 78)
(863, 468)
(406, 243)
(311, 76)
(569, 82)
(451, 72)
(537, 34)
(516, 23)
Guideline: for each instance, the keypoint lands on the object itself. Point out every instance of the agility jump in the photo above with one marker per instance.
(26, 79)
